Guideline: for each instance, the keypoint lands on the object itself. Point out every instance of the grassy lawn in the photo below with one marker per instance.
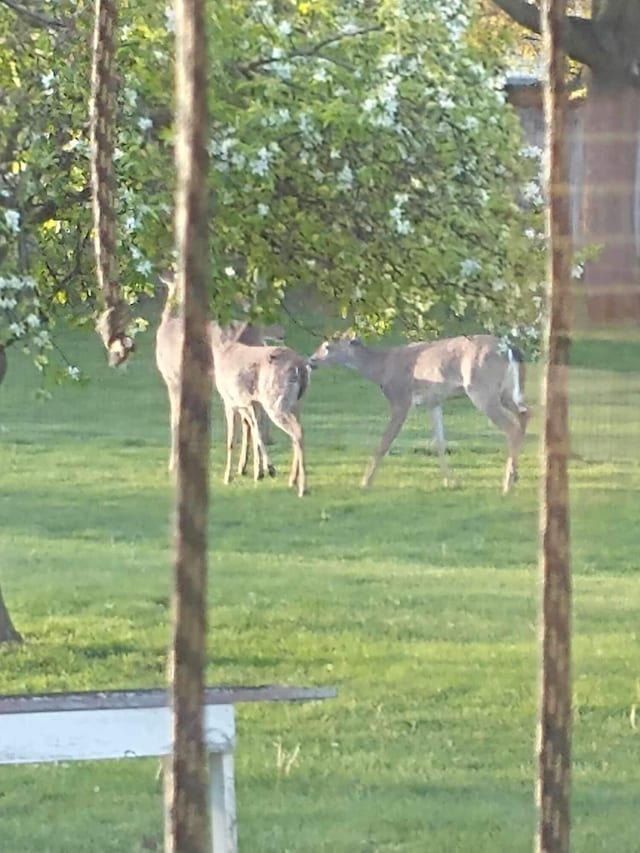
(418, 603)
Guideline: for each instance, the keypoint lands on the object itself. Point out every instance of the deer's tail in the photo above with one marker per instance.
(516, 375)
(302, 378)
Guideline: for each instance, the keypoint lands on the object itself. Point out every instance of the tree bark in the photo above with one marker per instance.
(554, 719)
(8, 633)
(186, 787)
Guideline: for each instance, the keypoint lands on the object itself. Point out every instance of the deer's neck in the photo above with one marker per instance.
(369, 362)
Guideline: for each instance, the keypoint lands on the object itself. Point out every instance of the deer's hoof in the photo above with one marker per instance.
(272, 470)
(259, 476)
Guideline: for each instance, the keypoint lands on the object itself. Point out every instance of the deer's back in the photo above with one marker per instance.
(274, 376)
(434, 370)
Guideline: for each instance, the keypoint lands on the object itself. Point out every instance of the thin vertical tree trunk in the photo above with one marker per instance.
(554, 724)
(186, 788)
(8, 633)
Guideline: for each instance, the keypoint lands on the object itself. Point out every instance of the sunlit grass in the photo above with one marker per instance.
(417, 602)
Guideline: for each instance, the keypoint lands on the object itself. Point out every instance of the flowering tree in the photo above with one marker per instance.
(363, 148)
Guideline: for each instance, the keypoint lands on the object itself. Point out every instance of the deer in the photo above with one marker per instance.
(168, 352)
(428, 373)
(276, 377)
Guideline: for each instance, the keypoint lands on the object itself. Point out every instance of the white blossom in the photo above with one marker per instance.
(144, 123)
(12, 219)
(345, 177)
(532, 192)
(260, 163)
(230, 272)
(263, 209)
(73, 372)
(469, 266)
(170, 18)
(533, 152)
(32, 321)
(17, 329)
(285, 28)
(47, 81)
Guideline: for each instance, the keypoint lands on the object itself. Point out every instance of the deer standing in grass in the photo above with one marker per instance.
(276, 377)
(169, 341)
(428, 373)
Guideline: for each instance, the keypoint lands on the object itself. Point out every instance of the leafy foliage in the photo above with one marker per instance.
(365, 149)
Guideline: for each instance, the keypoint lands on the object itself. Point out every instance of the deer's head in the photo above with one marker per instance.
(338, 350)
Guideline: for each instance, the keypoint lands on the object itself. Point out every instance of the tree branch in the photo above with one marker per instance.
(35, 18)
(313, 50)
(578, 34)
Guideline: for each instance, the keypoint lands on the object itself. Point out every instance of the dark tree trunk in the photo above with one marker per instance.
(8, 633)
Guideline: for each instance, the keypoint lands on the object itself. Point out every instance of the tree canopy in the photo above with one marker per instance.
(364, 148)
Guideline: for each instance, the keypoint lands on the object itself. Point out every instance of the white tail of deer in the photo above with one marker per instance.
(428, 373)
(169, 339)
(276, 378)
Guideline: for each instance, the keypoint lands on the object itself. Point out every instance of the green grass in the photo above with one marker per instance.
(418, 603)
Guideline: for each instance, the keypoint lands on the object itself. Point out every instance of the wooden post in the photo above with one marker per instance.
(554, 724)
(187, 786)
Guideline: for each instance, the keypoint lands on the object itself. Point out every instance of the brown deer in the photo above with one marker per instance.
(428, 373)
(276, 377)
(169, 339)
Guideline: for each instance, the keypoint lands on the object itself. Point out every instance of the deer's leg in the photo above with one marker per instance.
(174, 407)
(230, 417)
(243, 461)
(495, 410)
(265, 424)
(399, 412)
(259, 452)
(262, 420)
(289, 423)
(520, 410)
(441, 445)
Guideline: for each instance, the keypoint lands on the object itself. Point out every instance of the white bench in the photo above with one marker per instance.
(90, 726)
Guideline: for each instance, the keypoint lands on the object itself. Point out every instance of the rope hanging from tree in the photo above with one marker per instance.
(112, 322)
(554, 723)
